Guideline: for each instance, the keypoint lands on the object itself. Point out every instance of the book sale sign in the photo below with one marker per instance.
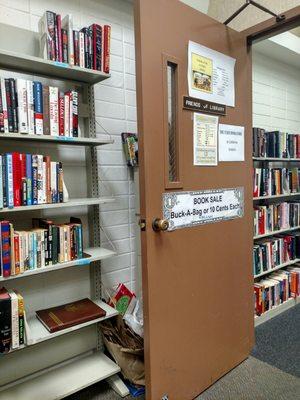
(187, 209)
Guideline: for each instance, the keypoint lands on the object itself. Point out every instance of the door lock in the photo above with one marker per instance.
(160, 225)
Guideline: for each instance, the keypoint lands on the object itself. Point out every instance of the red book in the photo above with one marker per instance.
(17, 179)
(61, 114)
(71, 314)
(23, 179)
(106, 48)
(59, 38)
(261, 222)
(17, 253)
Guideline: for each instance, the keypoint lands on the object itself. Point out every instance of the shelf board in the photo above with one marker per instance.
(61, 140)
(89, 201)
(276, 232)
(36, 65)
(291, 262)
(274, 311)
(275, 196)
(91, 255)
(275, 159)
(37, 333)
(64, 380)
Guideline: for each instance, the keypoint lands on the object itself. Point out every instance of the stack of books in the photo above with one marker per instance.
(12, 327)
(270, 253)
(275, 144)
(30, 179)
(46, 244)
(30, 107)
(275, 181)
(274, 217)
(276, 289)
(88, 47)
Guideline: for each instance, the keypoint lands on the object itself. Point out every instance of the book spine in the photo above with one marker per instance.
(1, 113)
(4, 180)
(47, 30)
(86, 47)
(17, 253)
(14, 319)
(26, 251)
(38, 249)
(5, 249)
(21, 319)
(4, 105)
(97, 47)
(75, 114)
(22, 105)
(5, 325)
(76, 47)
(44, 192)
(34, 250)
(34, 179)
(43, 252)
(30, 107)
(67, 113)
(40, 189)
(106, 48)
(58, 37)
(12, 250)
(71, 114)
(55, 244)
(64, 35)
(29, 179)
(61, 244)
(17, 179)
(9, 106)
(61, 114)
(1, 183)
(66, 243)
(38, 107)
(9, 181)
(14, 103)
(48, 178)
(53, 103)
(46, 110)
(50, 244)
(54, 191)
(23, 179)
(60, 183)
(81, 50)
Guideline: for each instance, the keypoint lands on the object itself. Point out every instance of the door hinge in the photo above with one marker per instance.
(142, 224)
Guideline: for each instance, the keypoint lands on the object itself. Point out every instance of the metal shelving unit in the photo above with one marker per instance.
(290, 302)
(65, 377)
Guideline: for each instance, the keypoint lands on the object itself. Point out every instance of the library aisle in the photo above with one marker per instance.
(271, 372)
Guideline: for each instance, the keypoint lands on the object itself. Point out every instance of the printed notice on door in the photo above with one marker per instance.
(210, 75)
(188, 209)
(205, 139)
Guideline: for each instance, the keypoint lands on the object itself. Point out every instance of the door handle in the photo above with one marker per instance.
(160, 225)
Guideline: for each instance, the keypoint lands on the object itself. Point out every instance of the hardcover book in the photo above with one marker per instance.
(71, 314)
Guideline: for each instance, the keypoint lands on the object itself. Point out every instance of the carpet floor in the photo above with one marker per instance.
(271, 372)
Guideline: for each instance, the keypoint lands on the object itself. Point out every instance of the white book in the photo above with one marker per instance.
(15, 340)
(53, 181)
(22, 105)
(81, 50)
(53, 109)
(4, 105)
(71, 113)
(67, 114)
(10, 183)
(22, 251)
(67, 23)
(40, 180)
(44, 182)
(30, 107)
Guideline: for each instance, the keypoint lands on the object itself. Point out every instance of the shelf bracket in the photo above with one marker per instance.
(279, 17)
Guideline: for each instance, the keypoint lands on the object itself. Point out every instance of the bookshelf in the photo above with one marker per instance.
(268, 161)
(60, 368)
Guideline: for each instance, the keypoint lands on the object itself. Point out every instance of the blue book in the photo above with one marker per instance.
(38, 107)
(9, 181)
(1, 184)
(29, 179)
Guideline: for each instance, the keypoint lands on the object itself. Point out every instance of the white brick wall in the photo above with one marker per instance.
(115, 111)
(276, 95)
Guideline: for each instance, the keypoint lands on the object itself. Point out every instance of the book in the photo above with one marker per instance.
(21, 311)
(76, 47)
(10, 116)
(38, 107)
(67, 315)
(16, 166)
(1, 184)
(97, 46)
(14, 301)
(4, 106)
(64, 35)
(47, 35)
(58, 39)
(61, 114)
(5, 248)
(67, 24)
(5, 321)
(74, 118)
(9, 180)
(22, 105)
(14, 105)
(81, 50)
(1, 113)
(30, 107)
(53, 105)
(106, 48)
(46, 110)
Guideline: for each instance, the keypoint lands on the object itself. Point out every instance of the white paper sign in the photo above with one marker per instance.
(231, 143)
(205, 139)
(210, 75)
(187, 209)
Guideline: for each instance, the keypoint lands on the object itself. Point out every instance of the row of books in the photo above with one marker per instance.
(12, 326)
(30, 179)
(88, 47)
(31, 107)
(270, 253)
(279, 287)
(46, 244)
(274, 217)
(275, 144)
(275, 181)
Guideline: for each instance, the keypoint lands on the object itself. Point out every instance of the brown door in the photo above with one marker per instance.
(197, 281)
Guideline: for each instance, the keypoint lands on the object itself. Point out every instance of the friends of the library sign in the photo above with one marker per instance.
(191, 103)
(188, 209)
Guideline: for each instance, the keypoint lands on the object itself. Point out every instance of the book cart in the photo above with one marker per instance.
(272, 162)
(53, 366)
